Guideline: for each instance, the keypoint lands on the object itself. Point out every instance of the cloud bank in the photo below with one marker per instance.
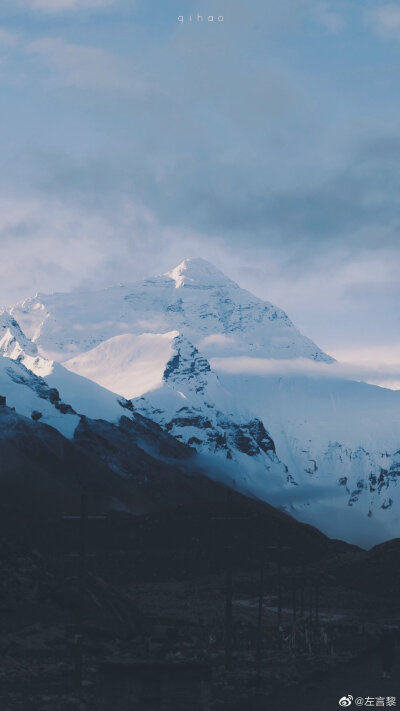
(270, 144)
(57, 6)
(378, 372)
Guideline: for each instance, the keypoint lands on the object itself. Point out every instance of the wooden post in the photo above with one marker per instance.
(228, 610)
(82, 518)
(279, 592)
(81, 592)
(311, 601)
(260, 612)
(228, 579)
(82, 562)
(294, 589)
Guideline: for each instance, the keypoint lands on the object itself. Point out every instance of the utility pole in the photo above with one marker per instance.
(311, 601)
(294, 591)
(279, 549)
(81, 591)
(82, 563)
(82, 555)
(228, 608)
(229, 582)
(260, 611)
(317, 601)
(279, 592)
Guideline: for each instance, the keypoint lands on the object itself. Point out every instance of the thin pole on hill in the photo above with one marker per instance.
(279, 550)
(294, 590)
(228, 608)
(82, 555)
(317, 601)
(81, 590)
(230, 519)
(279, 591)
(260, 611)
(82, 563)
(261, 547)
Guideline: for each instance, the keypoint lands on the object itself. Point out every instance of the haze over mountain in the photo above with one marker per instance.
(185, 349)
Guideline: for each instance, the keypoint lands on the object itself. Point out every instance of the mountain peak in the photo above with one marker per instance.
(13, 342)
(195, 298)
(197, 272)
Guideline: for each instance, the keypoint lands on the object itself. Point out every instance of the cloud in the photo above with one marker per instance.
(50, 244)
(8, 39)
(56, 6)
(328, 17)
(275, 157)
(86, 67)
(385, 20)
(359, 197)
(218, 340)
(378, 372)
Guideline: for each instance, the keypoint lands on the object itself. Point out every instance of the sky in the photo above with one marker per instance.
(268, 143)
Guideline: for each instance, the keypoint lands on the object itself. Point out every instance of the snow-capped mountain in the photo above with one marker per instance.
(13, 342)
(195, 299)
(325, 449)
(32, 397)
(193, 406)
(45, 390)
(340, 440)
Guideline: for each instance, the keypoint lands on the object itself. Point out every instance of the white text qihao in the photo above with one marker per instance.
(199, 18)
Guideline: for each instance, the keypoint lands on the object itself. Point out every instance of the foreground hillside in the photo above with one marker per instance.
(161, 557)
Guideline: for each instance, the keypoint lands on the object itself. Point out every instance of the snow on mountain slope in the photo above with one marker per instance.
(128, 364)
(339, 436)
(195, 298)
(13, 342)
(32, 397)
(82, 395)
(86, 397)
(192, 405)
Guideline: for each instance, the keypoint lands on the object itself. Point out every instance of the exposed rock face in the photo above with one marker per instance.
(192, 405)
(13, 342)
